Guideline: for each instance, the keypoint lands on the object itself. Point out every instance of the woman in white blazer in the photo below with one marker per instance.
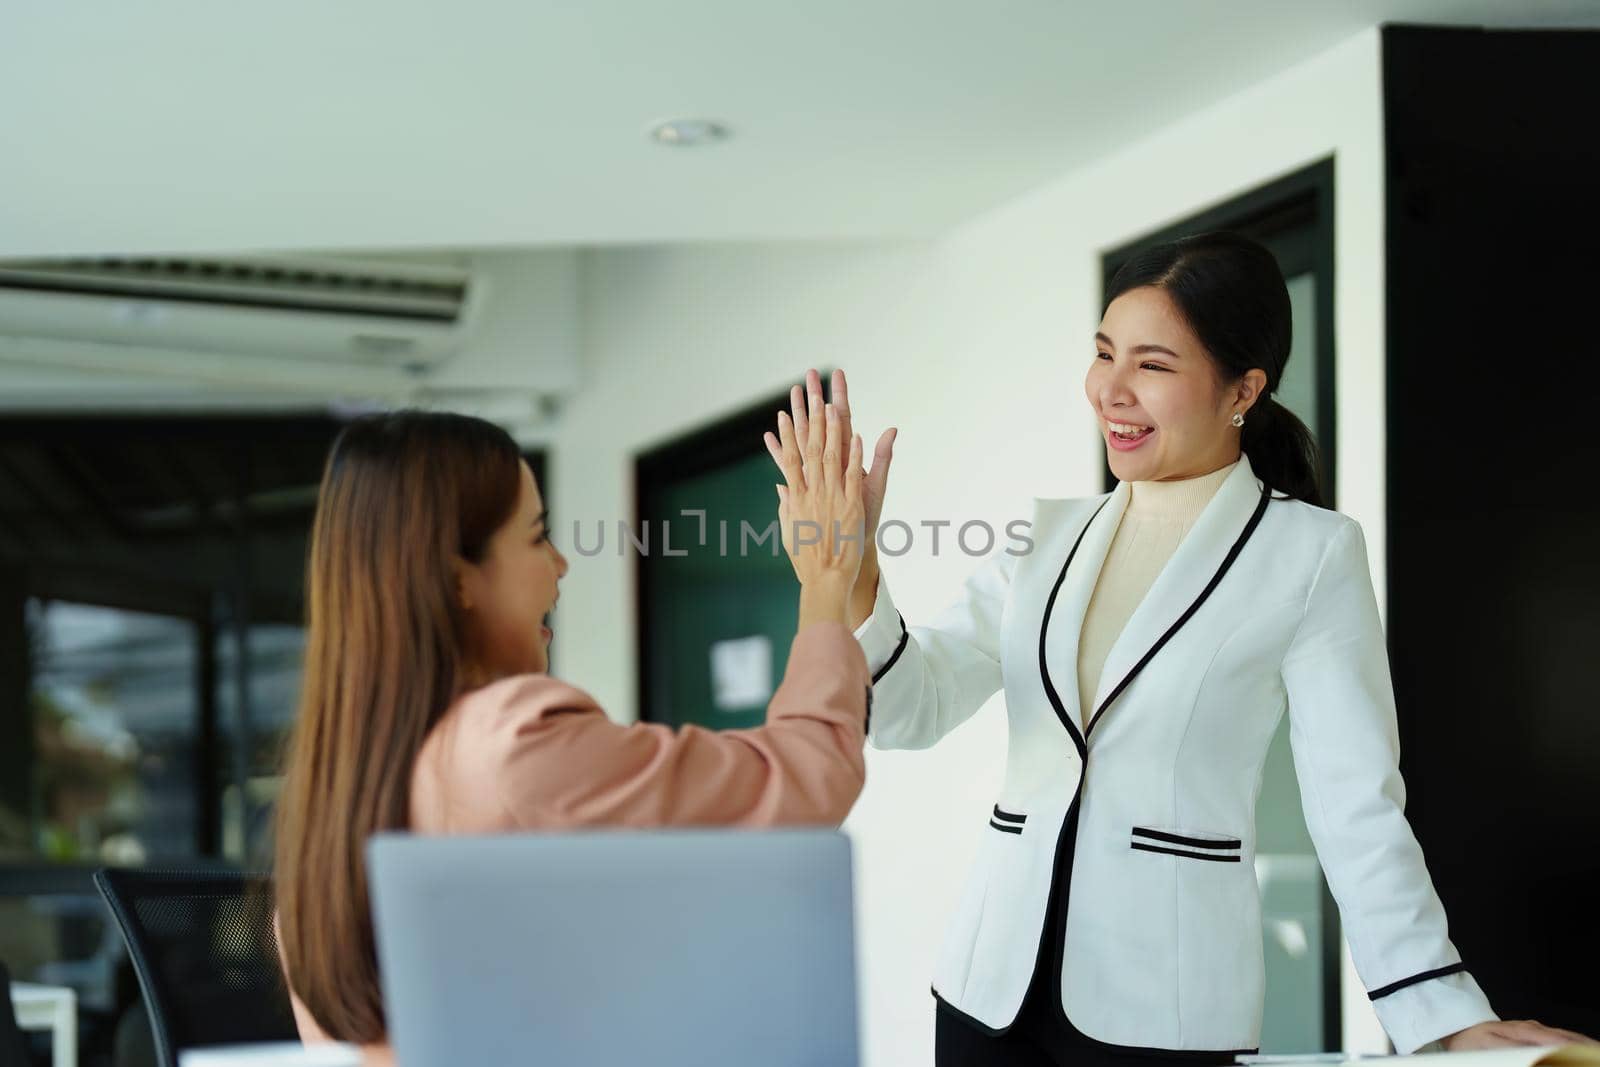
(1148, 643)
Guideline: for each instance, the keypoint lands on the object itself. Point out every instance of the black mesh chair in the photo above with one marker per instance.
(203, 947)
(13, 1049)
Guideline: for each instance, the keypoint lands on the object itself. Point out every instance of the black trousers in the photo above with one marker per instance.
(1036, 1039)
(957, 1043)
(1042, 1036)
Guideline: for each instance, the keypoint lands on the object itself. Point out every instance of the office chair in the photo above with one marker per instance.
(204, 950)
(13, 1047)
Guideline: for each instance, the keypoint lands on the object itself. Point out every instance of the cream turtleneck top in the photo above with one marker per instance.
(1158, 516)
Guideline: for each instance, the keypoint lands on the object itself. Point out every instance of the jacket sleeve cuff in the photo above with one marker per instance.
(1422, 1012)
(883, 635)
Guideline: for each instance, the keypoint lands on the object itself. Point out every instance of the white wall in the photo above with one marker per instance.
(975, 346)
(525, 330)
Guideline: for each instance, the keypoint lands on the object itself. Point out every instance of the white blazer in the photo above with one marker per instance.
(1144, 824)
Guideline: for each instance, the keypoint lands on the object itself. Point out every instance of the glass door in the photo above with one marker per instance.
(115, 724)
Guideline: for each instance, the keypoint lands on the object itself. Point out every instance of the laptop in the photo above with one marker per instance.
(664, 948)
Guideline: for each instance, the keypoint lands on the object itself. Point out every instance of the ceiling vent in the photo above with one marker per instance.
(327, 310)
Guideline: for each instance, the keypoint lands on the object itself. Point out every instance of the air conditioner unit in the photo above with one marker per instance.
(342, 312)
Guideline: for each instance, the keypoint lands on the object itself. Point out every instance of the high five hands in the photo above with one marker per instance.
(821, 460)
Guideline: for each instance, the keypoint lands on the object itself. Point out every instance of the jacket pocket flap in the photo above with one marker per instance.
(1008, 821)
(1217, 847)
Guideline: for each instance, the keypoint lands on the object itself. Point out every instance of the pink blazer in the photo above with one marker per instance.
(531, 752)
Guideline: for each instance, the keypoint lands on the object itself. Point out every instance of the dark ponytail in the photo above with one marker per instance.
(1282, 451)
(1232, 294)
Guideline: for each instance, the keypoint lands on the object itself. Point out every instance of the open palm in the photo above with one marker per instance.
(875, 482)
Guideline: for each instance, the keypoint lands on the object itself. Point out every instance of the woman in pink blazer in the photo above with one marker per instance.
(426, 704)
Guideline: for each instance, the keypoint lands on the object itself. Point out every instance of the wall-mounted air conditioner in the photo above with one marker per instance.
(337, 312)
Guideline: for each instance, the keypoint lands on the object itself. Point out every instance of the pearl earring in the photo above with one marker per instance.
(1237, 420)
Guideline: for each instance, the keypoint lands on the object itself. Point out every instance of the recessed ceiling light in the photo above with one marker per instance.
(687, 132)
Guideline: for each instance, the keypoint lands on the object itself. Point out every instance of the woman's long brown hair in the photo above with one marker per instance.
(402, 494)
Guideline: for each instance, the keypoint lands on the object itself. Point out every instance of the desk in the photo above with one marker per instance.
(53, 1008)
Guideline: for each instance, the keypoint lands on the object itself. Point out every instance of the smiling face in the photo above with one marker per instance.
(509, 594)
(1163, 409)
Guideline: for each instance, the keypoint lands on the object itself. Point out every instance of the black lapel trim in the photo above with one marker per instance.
(901, 647)
(1044, 630)
(1179, 839)
(1009, 828)
(1213, 856)
(1395, 987)
(1216, 579)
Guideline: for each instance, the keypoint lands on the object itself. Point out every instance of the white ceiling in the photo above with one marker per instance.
(186, 125)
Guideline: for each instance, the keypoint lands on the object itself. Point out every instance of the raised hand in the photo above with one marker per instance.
(803, 408)
(875, 483)
(820, 512)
